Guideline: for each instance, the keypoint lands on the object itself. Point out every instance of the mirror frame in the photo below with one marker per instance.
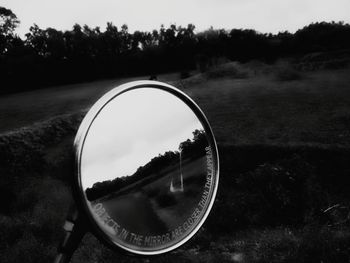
(79, 141)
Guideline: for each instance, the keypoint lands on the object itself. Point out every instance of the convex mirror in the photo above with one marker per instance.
(147, 167)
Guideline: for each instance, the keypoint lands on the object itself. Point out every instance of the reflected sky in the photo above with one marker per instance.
(132, 129)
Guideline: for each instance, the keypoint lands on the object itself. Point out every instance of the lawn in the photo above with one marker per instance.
(25, 108)
(313, 109)
(284, 147)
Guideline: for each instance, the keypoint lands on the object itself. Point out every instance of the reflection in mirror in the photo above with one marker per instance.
(147, 170)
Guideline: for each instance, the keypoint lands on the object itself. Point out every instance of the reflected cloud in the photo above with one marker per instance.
(131, 130)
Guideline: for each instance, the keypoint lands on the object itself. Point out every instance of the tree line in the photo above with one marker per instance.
(50, 56)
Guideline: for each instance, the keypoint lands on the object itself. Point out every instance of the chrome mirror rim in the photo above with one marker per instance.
(80, 140)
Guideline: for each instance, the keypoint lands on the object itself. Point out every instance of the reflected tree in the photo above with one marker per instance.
(155, 168)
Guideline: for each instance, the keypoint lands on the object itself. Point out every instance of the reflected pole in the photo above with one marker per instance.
(174, 185)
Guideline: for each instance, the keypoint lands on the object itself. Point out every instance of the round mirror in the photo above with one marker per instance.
(147, 167)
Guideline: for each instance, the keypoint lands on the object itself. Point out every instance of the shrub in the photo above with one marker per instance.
(273, 195)
(184, 74)
(286, 72)
(230, 70)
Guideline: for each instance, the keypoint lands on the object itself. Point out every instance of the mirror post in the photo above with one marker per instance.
(75, 229)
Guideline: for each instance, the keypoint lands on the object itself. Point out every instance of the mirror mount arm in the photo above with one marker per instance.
(75, 228)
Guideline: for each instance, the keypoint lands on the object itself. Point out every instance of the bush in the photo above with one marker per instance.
(273, 195)
(290, 191)
(185, 75)
(230, 70)
(287, 72)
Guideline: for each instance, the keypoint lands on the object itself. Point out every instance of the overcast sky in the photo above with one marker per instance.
(263, 15)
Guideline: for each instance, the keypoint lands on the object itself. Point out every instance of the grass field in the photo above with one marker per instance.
(284, 143)
(258, 109)
(313, 109)
(24, 109)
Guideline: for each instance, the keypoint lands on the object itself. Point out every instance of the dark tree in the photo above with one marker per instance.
(8, 24)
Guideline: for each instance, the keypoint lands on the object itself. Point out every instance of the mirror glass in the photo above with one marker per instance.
(148, 170)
